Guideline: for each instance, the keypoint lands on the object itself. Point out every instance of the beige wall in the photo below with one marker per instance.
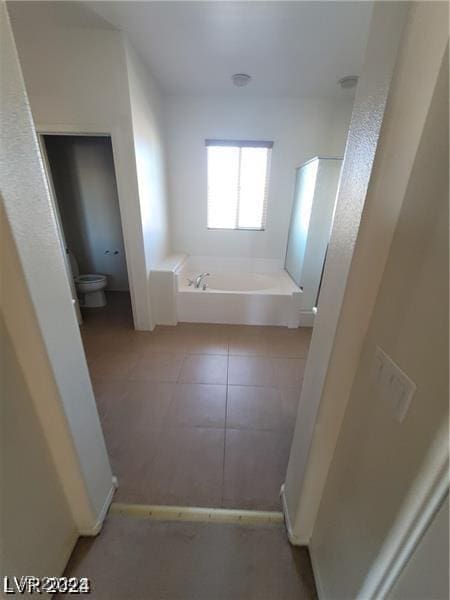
(37, 308)
(300, 128)
(377, 459)
(349, 285)
(149, 146)
(77, 81)
(426, 574)
(37, 528)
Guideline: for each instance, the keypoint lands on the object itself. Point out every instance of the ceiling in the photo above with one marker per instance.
(298, 48)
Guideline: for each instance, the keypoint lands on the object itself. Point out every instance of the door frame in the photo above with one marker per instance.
(89, 131)
(61, 234)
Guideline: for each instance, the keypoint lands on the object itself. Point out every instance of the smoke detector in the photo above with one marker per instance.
(240, 79)
(348, 82)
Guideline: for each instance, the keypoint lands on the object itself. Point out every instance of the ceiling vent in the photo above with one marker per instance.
(349, 82)
(240, 79)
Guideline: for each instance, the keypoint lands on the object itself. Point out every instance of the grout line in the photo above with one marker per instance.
(225, 437)
(177, 380)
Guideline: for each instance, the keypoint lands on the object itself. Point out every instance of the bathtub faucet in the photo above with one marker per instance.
(200, 278)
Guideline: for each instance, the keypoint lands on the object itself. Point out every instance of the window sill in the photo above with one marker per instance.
(234, 229)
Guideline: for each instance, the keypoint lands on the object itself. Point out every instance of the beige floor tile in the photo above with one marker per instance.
(114, 340)
(132, 461)
(292, 395)
(255, 468)
(246, 330)
(158, 367)
(105, 321)
(205, 328)
(129, 424)
(248, 345)
(288, 372)
(94, 344)
(148, 402)
(204, 368)
(260, 408)
(207, 343)
(141, 406)
(137, 339)
(113, 365)
(198, 405)
(266, 371)
(141, 559)
(188, 468)
(107, 392)
(289, 343)
(166, 439)
(250, 370)
(165, 339)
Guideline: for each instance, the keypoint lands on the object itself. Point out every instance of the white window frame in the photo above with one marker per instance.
(242, 144)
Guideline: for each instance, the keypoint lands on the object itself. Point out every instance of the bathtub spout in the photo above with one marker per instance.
(199, 279)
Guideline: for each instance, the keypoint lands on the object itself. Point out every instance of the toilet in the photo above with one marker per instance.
(89, 287)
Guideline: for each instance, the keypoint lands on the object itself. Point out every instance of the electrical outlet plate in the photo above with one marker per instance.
(393, 385)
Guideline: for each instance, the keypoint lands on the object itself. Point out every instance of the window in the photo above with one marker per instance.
(237, 184)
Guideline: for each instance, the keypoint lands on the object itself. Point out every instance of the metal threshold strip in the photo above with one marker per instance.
(189, 513)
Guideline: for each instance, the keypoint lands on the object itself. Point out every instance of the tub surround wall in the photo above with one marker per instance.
(242, 292)
(217, 263)
(300, 129)
(163, 286)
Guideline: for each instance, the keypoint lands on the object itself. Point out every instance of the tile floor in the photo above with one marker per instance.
(141, 559)
(196, 414)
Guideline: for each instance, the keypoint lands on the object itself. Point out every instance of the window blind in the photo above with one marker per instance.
(237, 183)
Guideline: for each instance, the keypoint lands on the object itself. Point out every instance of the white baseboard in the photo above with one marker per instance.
(293, 539)
(298, 541)
(95, 530)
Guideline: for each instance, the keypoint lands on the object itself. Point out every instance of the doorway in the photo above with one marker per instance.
(82, 176)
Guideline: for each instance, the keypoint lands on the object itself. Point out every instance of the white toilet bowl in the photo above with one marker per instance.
(90, 288)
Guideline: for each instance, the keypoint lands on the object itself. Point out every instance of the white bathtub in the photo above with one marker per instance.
(237, 294)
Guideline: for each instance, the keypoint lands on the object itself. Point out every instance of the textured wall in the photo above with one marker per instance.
(37, 306)
(378, 459)
(34, 507)
(331, 366)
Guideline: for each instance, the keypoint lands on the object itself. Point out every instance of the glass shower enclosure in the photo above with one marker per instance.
(312, 214)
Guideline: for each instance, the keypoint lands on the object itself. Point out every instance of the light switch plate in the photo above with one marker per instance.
(393, 385)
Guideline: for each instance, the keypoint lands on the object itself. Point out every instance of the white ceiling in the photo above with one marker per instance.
(298, 48)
